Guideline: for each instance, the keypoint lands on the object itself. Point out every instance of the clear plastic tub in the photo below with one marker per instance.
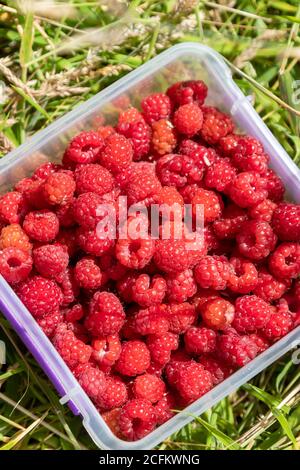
(184, 61)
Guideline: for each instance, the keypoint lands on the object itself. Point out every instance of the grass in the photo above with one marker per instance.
(52, 60)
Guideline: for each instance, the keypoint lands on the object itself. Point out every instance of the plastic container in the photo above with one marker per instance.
(184, 61)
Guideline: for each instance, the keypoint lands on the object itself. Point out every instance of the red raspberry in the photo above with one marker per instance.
(188, 119)
(217, 313)
(164, 138)
(59, 188)
(88, 274)
(228, 144)
(251, 314)
(147, 292)
(114, 395)
(181, 286)
(117, 153)
(13, 236)
(187, 92)
(137, 419)
(284, 262)
(286, 222)
(32, 191)
(106, 351)
(273, 185)
(93, 244)
(244, 277)
(211, 202)
(280, 322)
(111, 267)
(134, 358)
(50, 260)
(41, 225)
(67, 238)
(12, 208)
(249, 155)
(256, 239)
(149, 387)
(155, 369)
(50, 322)
(74, 313)
(130, 115)
(79, 331)
(164, 407)
(230, 223)
(153, 320)
(172, 256)
(105, 131)
(215, 125)
(45, 170)
(247, 189)
(200, 340)
(111, 418)
(106, 315)
(192, 381)
(220, 174)
(181, 317)
(178, 170)
(135, 254)
(212, 272)
(93, 178)
(125, 285)
(84, 147)
(143, 186)
(236, 350)
(268, 287)
(155, 107)
(15, 264)
(139, 135)
(72, 350)
(161, 346)
(204, 157)
(85, 209)
(263, 210)
(91, 379)
(171, 203)
(261, 342)
(219, 370)
(41, 296)
(69, 286)
(65, 215)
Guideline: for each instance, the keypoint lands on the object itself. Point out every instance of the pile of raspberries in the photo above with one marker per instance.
(146, 325)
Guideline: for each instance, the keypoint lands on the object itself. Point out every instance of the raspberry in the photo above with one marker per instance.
(69, 286)
(13, 236)
(268, 287)
(247, 189)
(74, 313)
(111, 267)
(215, 125)
(153, 320)
(286, 222)
(84, 147)
(139, 135)
(72, 350)
(50, 322)
(155, 107)
(178, 170)
(93, 244)
(130, 115)
(187, 91)
(106, 351)
(117, 153)
(106, 316)
(164, 138)
(261, 342)
(164, 407)
(12, 208)
(67, 238)
(178, 359)
(212, 272)
(263, 210)
(161, 346)
(59, 188)
(280, 322)
(230, 223)
(134, 358)
(88, 274)
(211, 202)
(284, 262)
(217, 313)
(114, 395)
(218, 370)
(45, 170)
(149, 387)
(50, 260)
(171, 202)
(143, 186)
(125, 285)
(41, 225)
(251, 314)
(111, 418)
(192, 381)
(188, 119)
(236, 350)
(256, 239)
(228, 144)
(249, 155)
(65, 215)
(137, 419)
(244, 277)
(273, 185)
(200, 340)
(172, 256)
(181, 317)
(135, 254)
(91, 379)
(181, 286)
(105, 131)
(15, 264)
(85, 209)
(147, 292)
(204, 157)
(220, 174)
(41, 296)
(93, 178)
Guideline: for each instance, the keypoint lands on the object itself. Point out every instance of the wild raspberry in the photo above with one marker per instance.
(135, 254)
(178, 170)
(220, 174)
(13, 236)
(15, 264)
(149, 387)
(286, 222)
(74, 313)
(72, 350)
(59, 188)
(243, 278)
(211, 202)
(178, 359)
(247, 189)
(284, 262)
(106, 351)
(188, 119)
(181, 317)
(187, 92)
(273, 185)
(280, 322)
(88, 274)
(50, 260)
(92, 243)
(117, 153)
(230, 223)
(134, 358)
(218, 369)
(236, 350)
(249, 155)
(45, 170)
(193, 381)
(215, 125)
(155, 107)
(138, 134)
(130, 115)
(256, 239)
(137, 419)
(164, 138)
(228, 144)
(203, 157)
(41, 296)
(164, 408)
(111, 419)
(161, 346)
(263, 210)
(12, 208)
(171, 202)
(172, 256)
(147, 292)
(251, 314)
(85, 209)
(91, 379)
(93, 178)
(212, 272)
(181, 286)
(106, 316)
(84, 147)
(50, 322)
(217, 313)
(41, 225)
(268, 287)
(114, 395)
(69, 286)
(153, 320)
(200, 340)
(261, 342)
(143, 186)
